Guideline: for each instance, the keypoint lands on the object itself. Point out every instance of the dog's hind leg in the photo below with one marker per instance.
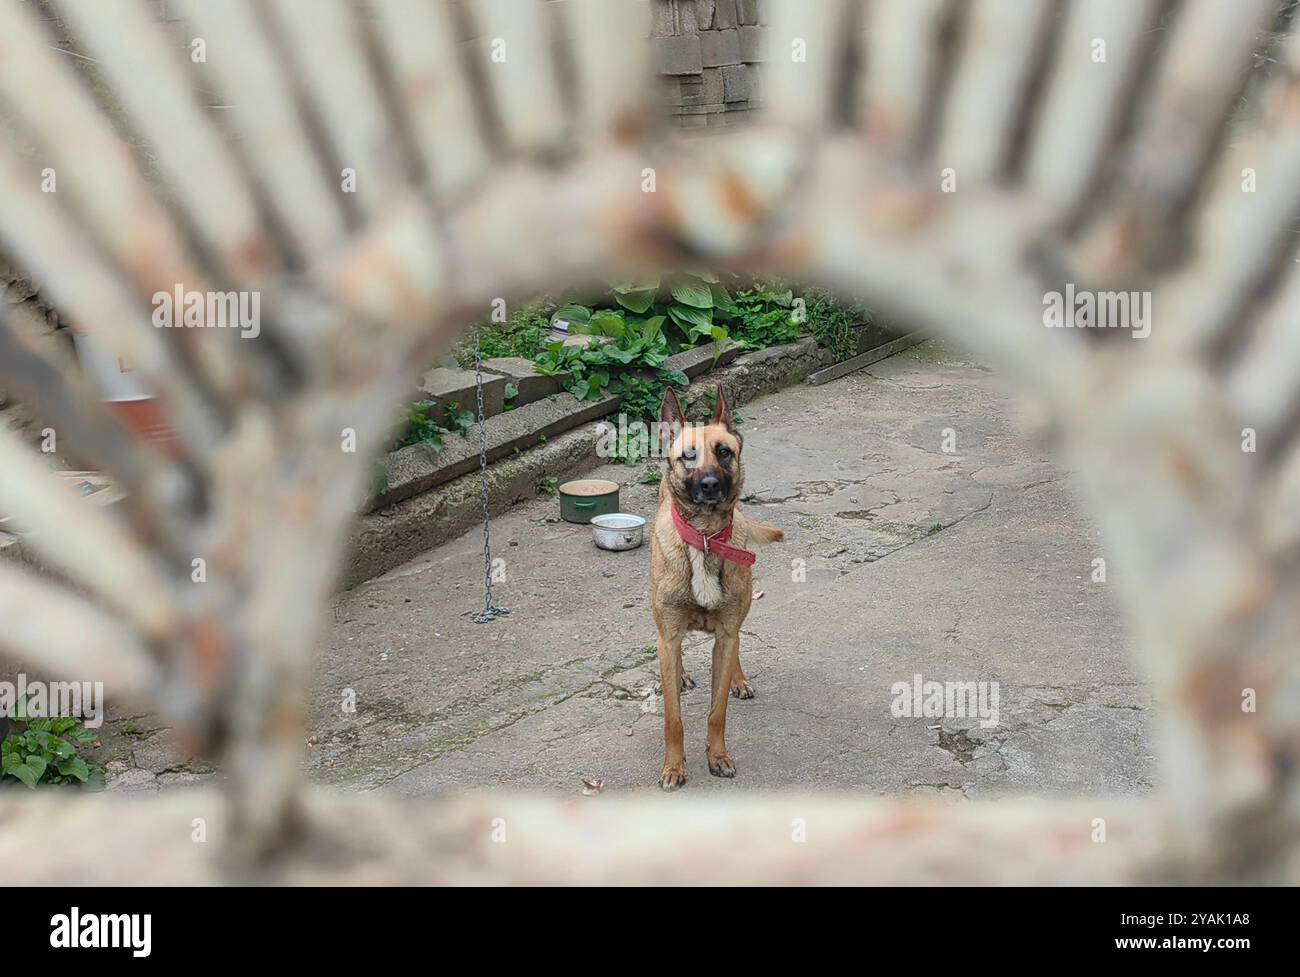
(726, 664)
(740, 686)
(687, 681)
(670, 677)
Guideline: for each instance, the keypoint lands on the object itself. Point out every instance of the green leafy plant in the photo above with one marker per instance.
(642, 397)
(628, 364)
(546, 486)
(684, 309)
(710, 395)
(44, 751)
(522, 334)
(463, 419)
(631, 444)
(639, 324)
(765, 316)
(421, 428)
(835, 325)
(635, 326)
(651, 476)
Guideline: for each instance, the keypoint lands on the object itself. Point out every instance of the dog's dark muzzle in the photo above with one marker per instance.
(709, 487)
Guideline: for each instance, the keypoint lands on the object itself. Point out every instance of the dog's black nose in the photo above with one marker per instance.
(710, 484)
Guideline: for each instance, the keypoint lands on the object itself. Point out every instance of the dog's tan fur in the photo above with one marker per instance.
(693, 592)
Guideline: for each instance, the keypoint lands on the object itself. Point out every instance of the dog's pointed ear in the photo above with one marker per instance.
(672, 419)
(721, 412)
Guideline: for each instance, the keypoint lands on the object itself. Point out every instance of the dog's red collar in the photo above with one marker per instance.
(716, 544)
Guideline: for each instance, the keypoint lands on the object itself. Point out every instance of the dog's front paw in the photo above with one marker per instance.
(741, 688)
(687, 681)
(674, 775)
(722, 765)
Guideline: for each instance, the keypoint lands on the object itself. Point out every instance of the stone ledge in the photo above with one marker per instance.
(454, 386)
(531, 383)
(386, 538)
(417, 468)
(544, 413)
(693, 362)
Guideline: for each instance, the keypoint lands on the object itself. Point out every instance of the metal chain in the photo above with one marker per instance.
(490, 611)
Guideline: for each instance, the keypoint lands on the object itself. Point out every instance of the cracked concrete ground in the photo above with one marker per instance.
(969, 565)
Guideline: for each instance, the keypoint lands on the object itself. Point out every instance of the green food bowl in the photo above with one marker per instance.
(583, 499)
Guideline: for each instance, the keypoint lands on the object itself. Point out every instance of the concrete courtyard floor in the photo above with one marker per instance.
(901, 559)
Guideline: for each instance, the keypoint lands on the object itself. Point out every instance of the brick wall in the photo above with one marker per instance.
(708, 52)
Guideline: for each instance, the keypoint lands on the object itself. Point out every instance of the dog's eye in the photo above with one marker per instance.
(723, 452)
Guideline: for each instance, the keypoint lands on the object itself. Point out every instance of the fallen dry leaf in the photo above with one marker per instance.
(592, 785)
(758, 595)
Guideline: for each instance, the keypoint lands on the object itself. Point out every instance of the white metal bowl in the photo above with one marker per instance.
(618, 531)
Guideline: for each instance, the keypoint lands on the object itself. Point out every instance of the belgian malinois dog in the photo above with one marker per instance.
(700, 576)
